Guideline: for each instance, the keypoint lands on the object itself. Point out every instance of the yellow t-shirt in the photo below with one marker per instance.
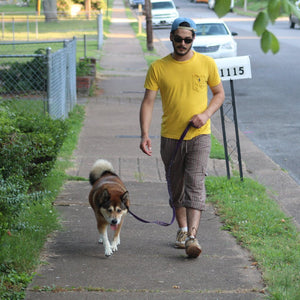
(183, 89)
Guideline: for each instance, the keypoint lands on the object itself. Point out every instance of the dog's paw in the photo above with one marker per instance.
(115, 243)
(100, 241)
(108, 252)
(114, 247)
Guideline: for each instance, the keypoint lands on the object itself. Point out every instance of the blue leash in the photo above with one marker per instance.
(161, 223)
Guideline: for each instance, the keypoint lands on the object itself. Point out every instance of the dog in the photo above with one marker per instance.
(109, 199)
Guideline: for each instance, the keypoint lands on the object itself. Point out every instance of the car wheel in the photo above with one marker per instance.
(292, 24)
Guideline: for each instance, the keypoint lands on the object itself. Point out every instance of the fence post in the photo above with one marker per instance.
(27, 28)
(49, 89)
(73, 72)
(3, 26)
(100, 30)
(84, 46)
(13, 28)
(67, 54)
(36, 28)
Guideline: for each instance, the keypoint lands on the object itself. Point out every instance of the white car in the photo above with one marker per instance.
(214, 39)
(211, 4)
(164, 12)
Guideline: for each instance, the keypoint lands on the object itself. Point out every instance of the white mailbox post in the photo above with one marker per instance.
(233, 68)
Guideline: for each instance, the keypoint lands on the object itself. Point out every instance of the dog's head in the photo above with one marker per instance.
(113, 205)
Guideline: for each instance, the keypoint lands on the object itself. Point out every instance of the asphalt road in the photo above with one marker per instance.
(268, 105)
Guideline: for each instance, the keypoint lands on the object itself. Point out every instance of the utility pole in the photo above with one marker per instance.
(245, 5)
(38, 7)
(88, 9)
(149, 25)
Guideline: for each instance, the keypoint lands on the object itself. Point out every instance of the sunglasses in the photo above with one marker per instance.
(179, 39)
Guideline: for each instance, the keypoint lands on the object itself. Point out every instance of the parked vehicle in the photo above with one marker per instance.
(211, 4)
(213, 38)
(135, 3)
(293, 18)
(164, 12)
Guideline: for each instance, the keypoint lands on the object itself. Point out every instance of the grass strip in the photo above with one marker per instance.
(258, 224)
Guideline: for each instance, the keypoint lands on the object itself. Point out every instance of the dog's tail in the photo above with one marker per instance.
(99, 167)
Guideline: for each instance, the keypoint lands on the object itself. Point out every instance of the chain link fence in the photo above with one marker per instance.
(44, 71)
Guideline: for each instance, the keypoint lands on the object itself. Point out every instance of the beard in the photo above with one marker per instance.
(181, 50)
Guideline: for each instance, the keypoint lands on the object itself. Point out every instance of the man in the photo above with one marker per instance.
(182, 78)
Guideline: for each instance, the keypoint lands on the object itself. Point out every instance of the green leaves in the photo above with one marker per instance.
(260, 23)
(294, 10)
(222, 7)
(269, 42)
(273, 10)
(274, 7)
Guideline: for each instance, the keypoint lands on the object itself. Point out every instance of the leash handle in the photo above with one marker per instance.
(161, 223)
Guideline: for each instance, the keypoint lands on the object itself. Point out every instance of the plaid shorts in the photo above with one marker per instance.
(187, 175)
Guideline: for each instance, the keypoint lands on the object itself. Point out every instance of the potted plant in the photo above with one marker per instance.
(85, 75)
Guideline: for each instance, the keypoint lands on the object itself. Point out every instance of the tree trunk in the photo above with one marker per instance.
(149, 25)
(50, 10)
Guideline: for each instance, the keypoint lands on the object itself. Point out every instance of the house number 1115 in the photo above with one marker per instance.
(236, 71)
(234, 68)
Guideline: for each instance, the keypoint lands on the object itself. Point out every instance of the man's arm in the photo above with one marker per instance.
(215, 103)
(145, 120)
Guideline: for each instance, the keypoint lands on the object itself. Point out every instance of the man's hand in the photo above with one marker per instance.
(199, 120)
(145, 145)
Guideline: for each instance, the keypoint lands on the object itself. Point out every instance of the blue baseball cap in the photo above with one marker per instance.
(178, 21)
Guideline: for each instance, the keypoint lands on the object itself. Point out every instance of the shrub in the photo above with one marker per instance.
(83, 68)
(19, 77)
(64, 7)
(95, 4)
(29, 145)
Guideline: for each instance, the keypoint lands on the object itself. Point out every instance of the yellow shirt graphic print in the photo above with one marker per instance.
(198, 82)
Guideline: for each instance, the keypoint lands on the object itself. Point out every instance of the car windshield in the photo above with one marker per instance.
(162, 5)
(211, 29)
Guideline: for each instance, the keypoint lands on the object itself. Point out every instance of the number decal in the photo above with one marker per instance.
(234, 68)
(231, 72)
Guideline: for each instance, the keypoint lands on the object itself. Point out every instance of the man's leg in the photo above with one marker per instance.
(181, 217)
(195, 168)
(175, 186)
(193, 221)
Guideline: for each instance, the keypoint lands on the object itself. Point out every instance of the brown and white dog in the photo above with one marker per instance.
(109, 199)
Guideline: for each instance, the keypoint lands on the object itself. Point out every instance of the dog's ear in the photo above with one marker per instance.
(125, 199)
(104, 197)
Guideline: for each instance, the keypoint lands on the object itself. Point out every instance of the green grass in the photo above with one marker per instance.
(259, 225)
(17, 10)
(61, 30)
(217, 149)
(58, 176)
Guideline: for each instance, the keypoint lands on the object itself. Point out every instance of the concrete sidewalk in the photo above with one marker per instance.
(146, 266)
